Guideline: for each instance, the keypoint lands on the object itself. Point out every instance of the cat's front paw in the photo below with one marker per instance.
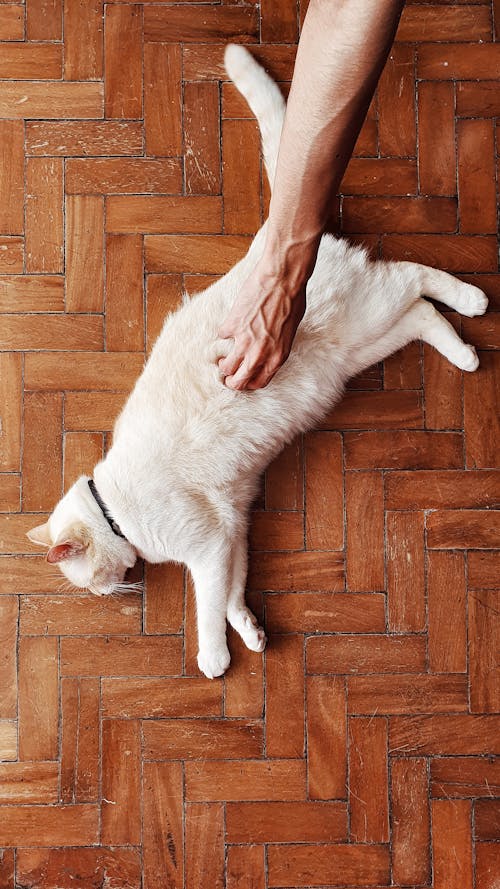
(256, 639)
(214, 662)
(245, 623)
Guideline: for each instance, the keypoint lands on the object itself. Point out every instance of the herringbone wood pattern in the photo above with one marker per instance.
(360, 750)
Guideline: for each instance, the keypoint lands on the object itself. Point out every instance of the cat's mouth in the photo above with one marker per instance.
(115, 579)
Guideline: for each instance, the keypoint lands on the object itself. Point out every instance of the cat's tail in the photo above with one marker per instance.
(264, 98)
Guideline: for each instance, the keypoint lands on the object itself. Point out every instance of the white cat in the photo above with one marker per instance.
(188, 452)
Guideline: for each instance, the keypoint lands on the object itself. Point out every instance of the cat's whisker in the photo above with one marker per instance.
(65, 585)
(121, 588)
(68, 587)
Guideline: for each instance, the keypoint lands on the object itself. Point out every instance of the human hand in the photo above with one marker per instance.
(262, 322)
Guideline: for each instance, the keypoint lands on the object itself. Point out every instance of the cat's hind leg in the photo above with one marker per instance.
(434, 329)
(238, 614)
(423, 322)
(464, 298)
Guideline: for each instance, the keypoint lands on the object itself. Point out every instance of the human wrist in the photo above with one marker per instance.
(289, 260)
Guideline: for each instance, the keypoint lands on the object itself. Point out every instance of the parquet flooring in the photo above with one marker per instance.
(360, 750)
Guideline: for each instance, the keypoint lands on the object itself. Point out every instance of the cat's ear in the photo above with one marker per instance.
(40, 535)
(71, 542)
(65, 550)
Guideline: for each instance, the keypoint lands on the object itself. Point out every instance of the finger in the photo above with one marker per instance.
(266, 372)
(243, 375)
(229, 365)
(261, 379)
(221, 349)
(256, 370)
(234, 382)
(243, 352)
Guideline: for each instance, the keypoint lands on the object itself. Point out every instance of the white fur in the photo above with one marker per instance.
(187, 451)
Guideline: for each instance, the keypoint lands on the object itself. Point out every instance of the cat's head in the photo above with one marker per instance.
(80, 541)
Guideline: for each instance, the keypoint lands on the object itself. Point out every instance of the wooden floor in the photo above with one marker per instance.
(359, 751)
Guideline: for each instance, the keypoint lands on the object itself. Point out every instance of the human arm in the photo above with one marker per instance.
(342, 50)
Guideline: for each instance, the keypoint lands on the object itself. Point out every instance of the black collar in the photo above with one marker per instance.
(105, 511)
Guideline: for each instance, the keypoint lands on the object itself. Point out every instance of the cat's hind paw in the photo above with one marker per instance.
(471, 301)
(467, 359)
(214, 663)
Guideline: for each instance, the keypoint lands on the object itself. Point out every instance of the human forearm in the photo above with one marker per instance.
(343, 47)
(342, 50)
